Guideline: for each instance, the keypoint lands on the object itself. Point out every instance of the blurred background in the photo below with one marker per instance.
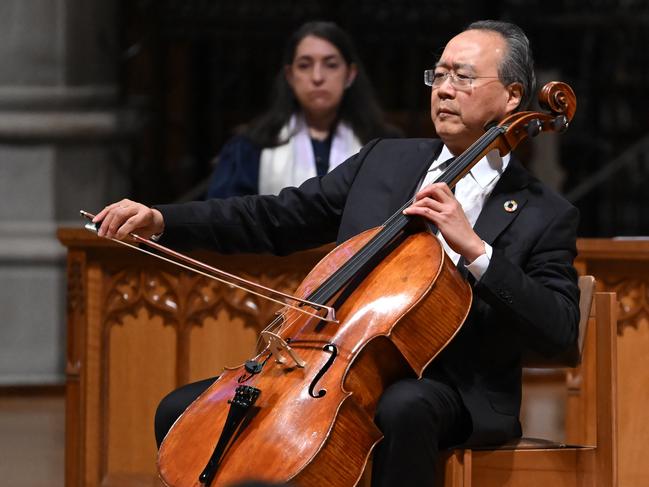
(197, 69)
(104, 99)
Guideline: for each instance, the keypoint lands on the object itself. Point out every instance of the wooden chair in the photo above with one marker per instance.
(540, 463)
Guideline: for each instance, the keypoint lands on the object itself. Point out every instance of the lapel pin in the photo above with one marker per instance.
(510, 206)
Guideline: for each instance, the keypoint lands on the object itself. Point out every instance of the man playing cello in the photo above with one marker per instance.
(513, 237)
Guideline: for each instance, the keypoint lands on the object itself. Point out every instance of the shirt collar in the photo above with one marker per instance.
(443, 156)
(485, 170)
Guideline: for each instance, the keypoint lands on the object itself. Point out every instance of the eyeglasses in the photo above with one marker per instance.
(436, 78)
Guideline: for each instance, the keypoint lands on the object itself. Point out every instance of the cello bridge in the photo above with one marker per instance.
(280, 349)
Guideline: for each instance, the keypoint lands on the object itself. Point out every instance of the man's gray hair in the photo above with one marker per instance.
(518, 64)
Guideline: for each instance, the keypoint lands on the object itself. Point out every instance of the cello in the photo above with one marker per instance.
(302, 408)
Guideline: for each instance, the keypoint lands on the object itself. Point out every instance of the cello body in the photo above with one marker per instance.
(390, 326)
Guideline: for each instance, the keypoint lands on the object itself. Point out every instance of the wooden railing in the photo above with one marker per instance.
(138, 328)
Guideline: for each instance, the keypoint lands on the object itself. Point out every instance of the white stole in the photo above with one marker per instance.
(293, 163)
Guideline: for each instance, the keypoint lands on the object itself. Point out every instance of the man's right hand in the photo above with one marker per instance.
(124, 217)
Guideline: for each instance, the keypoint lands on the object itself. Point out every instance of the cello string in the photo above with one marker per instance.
(392, 226)
(455, 168)
(396, 223)
(397, 220)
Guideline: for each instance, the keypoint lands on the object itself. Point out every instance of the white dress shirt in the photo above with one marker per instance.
(471, 192)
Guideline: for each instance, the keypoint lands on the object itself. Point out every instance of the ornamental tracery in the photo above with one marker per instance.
(207, 297)
(185, 299)
(128, 290)
(76, 291)
(633, 299)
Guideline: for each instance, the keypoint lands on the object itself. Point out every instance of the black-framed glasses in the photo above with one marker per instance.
(435, 79)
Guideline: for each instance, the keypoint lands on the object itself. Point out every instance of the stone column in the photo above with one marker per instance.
(63, 147)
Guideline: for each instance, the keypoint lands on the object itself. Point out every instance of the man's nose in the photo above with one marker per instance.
(446, 89)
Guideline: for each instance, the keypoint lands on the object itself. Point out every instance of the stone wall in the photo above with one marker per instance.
(64, 146)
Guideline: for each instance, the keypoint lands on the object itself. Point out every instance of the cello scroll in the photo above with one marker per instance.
(558, 98)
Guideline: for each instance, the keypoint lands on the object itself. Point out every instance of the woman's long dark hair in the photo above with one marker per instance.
(358, 106)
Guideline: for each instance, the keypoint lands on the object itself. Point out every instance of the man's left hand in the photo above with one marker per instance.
(437, 204)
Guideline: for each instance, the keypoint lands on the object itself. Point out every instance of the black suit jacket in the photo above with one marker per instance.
(528, 297)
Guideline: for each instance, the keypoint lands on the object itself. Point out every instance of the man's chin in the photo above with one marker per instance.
(455, 140)
(447, 131)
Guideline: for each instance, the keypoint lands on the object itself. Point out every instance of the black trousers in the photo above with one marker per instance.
(418, 417)
(174, 404)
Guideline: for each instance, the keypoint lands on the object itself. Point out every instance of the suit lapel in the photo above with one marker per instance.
(409, 175)
(494, 219)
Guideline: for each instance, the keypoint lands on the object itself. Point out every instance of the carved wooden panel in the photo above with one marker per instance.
(137, 329)
(623, 266)
(633, 295)
(76, 298)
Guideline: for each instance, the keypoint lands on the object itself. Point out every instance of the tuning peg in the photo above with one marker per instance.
(560, 123)
(534, 127)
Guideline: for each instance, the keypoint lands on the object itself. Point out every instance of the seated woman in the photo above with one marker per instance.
(322, 110)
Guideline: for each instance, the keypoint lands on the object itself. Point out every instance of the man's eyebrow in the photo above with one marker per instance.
(455, 66)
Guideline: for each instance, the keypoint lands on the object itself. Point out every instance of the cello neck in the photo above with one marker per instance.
(395, 226)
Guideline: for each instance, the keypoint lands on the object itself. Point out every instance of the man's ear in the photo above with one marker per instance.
(351, 75)
(514, 96)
